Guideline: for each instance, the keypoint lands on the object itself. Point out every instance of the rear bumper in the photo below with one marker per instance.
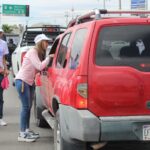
(85, 126)
(124, 128)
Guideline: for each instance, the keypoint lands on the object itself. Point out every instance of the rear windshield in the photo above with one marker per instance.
(124, 46)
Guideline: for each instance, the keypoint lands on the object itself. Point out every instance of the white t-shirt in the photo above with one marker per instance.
(3, 51)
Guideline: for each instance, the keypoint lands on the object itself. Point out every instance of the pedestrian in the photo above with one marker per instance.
(33, 61)
(11, 48)
(3, 72)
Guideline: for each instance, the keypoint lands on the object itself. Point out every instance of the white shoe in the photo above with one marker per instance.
(26, 138)
(2, 122)
(33, 134)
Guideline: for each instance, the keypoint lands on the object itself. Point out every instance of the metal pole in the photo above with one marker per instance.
(104, 4)
(120, 7)
(146, 7)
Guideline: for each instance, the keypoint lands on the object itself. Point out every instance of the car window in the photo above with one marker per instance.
(77, 47)
(61, 57)
(54, 46)
(52, 50)
(123, 46)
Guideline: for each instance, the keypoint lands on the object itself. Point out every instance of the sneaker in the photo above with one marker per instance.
(33, 134)
(26, 138)
(2, 122)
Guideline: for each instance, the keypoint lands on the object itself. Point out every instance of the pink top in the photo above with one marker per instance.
(30, 66)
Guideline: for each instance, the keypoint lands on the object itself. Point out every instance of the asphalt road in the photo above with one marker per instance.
(9, 133)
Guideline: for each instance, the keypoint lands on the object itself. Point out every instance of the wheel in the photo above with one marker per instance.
(65, 143)
(39, 120)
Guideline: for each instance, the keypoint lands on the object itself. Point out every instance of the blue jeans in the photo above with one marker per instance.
(26, 97)
(1, 97)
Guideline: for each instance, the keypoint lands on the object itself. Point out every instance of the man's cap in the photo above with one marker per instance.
(40, 37)
(1, 30)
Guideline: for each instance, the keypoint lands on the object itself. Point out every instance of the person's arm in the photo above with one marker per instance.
(36, 61)
(6, 71)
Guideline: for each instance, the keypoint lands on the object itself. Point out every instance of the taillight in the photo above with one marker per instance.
(38, 80)
(82, 93)
(22, 56)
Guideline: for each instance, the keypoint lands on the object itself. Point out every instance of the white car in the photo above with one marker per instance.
(17, 58)
(27, 42)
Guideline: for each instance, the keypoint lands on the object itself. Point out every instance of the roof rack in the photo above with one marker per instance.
(98, 12)
(52, 31)
(50, 28)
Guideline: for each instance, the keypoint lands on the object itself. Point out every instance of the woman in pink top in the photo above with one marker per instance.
(33, 62)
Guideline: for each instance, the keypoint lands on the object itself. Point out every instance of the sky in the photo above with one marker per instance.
(58, 11)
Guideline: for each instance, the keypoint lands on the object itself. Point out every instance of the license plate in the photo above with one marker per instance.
(146, 132)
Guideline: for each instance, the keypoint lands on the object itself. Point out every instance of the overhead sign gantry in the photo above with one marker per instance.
(15, 10)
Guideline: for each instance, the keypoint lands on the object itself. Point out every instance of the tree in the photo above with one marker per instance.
(7, 28)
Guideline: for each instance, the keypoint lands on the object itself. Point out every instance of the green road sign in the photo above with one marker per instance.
(15, 10)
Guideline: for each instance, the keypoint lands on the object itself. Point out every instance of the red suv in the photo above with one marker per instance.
(97, 88)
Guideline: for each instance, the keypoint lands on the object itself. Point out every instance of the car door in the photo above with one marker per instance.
(45, 87)
(52, 77)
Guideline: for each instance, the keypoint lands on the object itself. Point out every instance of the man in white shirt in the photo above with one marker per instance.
(3, 72)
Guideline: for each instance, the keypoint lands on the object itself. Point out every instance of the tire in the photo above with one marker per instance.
(39, 119)
(65, 143)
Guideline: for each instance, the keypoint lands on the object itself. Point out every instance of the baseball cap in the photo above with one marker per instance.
(1, 30)
(41, 37)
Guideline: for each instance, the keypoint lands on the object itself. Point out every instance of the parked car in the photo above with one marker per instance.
(27, 42)
(97, 88)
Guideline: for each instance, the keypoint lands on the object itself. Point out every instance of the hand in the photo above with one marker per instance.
(6, 72)
(51, 55)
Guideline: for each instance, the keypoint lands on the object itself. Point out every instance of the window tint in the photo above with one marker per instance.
(124, 46)
(77, 47)
(53, 50)
(63, 51)
(54, 46)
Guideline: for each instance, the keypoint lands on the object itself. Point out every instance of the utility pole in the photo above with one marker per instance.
(104, 4)
(120, 7)
(146, 5)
